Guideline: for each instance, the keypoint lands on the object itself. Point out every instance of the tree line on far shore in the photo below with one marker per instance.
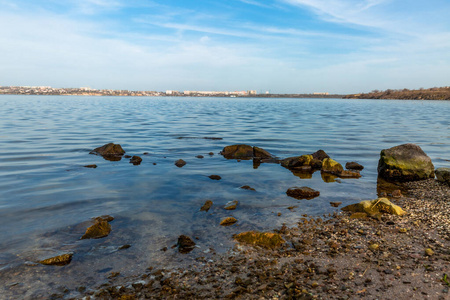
(435, 93)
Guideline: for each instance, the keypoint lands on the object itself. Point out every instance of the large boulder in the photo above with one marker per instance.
(406, 162)
(109, 151)
(443, 175)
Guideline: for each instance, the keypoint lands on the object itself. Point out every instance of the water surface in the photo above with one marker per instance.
(47, 196)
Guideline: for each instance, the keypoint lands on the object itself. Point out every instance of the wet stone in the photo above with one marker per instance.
(206, 206)
(180, 163)
(302, 193)
(231, 205)
(60, 260)
(99, 230)
(247, 187)
(185, 244)
(228, 221)
(91, 166)
(354, 166)
(215, 177)
(136, 160)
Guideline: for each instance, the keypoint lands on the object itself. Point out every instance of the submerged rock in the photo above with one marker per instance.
(100, 229)
(247, 187)
(60, 260)
(91, 166)
(406, 162)
(354, 166)
(228, 221)
(231, 205)
(443, 175)
(136, 160)
(375, 207)
(185, 244)
(109, 151)
(206, 206)
(302, 193)
(263, 239)
(215, 177)
(180, 163)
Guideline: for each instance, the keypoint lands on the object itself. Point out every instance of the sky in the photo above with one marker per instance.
(281, 46)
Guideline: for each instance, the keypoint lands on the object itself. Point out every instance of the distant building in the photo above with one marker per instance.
(321, 93)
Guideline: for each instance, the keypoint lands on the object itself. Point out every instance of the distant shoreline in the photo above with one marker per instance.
(442, 93)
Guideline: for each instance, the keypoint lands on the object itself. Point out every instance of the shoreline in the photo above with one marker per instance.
(340, 257)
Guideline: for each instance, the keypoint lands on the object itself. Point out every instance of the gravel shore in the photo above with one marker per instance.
(340, 257)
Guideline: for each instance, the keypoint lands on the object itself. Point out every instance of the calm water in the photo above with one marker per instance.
(47, 196)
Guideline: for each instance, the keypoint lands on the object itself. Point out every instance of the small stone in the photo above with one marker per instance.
(100, 229)
(247, 187)
(211, 153)
(231, 205)
(60, 260)
(206, 206)
(279, 214)
(397, 194)
(91, 166)
(374, 247)
(354, 166)
(215, 177)
(126, 246)
(185, 244)
(314, 284)
(403, 230)
(303, 192)
(136, 160)
(200, 156)
(335, 204)
(180, 163)
(429, 252)
(262, 239)
(228, 221)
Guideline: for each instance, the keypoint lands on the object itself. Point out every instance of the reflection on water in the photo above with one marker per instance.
(48, 196)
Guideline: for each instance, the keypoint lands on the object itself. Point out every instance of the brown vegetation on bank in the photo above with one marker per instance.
(436, 93)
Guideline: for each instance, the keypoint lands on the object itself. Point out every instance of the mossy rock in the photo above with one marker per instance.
(267, 240)
(331, 166)
(303, 192)
(407, 162)
(375, 207)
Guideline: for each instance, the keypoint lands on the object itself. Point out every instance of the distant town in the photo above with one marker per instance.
(435, 93)
(86, 91)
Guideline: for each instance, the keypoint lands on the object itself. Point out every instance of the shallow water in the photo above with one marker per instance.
(47, 196)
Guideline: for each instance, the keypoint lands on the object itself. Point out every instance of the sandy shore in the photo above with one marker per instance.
(337, 258)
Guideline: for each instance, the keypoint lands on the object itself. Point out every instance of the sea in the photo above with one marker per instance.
(48, 197)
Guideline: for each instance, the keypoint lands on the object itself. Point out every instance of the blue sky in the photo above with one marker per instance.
(282, 46)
